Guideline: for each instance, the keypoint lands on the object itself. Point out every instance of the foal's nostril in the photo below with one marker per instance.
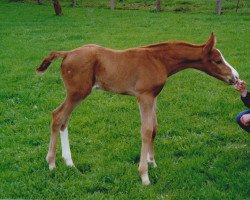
(233, 80)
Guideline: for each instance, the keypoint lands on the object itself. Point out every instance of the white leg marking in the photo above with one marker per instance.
(66, 154)
(145, 179)
(52, 165)
(152, 162)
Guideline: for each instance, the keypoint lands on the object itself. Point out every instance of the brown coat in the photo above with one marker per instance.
(139, 72)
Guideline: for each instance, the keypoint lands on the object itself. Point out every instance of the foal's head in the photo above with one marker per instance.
(216, 65)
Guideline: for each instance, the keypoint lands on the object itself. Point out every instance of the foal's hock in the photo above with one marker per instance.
(140, 72)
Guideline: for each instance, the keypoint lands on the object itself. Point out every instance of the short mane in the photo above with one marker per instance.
(165, 44)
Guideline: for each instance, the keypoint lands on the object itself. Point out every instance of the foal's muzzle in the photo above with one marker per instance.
(233, 80)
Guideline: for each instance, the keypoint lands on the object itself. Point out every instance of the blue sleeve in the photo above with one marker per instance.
(246, 100)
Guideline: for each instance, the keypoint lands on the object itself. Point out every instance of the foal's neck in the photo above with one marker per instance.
(176, 56)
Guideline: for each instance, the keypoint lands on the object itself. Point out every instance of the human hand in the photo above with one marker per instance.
(245, 119)
(241, 87)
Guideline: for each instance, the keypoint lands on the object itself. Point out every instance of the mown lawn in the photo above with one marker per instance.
(200, 151)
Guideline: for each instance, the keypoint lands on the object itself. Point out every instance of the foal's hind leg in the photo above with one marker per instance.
(60, 118)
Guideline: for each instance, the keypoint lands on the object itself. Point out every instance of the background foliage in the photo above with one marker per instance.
(166, 5)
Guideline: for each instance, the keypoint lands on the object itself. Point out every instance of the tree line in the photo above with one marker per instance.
(58, 9)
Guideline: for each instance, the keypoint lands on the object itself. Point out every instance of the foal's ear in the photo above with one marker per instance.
(209, 44)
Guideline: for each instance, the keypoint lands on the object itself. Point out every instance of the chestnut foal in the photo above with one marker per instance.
(139, 72)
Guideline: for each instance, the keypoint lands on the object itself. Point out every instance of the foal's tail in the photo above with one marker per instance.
(47, 61)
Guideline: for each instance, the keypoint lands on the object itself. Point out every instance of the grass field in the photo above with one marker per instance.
(200, 151)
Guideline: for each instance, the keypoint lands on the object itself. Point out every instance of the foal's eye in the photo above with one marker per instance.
(218, 62)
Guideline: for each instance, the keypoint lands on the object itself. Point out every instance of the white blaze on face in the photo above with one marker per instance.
(234, 72)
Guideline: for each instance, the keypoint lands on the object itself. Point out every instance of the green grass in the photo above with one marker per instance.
(200, 151)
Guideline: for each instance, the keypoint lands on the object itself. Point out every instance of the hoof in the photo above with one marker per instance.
(145, 179)
(68, 162)
(52, 166)
(151, 162)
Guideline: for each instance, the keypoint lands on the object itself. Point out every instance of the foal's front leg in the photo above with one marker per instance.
(146, 110)
(150, 158)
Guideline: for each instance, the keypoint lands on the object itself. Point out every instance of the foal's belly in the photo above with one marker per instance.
(115, 88)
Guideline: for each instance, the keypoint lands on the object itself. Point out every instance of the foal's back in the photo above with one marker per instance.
(130, 71)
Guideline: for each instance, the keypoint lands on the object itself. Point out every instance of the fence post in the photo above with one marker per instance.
(158, 5)
(57, 7)
(218, 7)
(112, 4)
(237, 5)
(74, 3)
